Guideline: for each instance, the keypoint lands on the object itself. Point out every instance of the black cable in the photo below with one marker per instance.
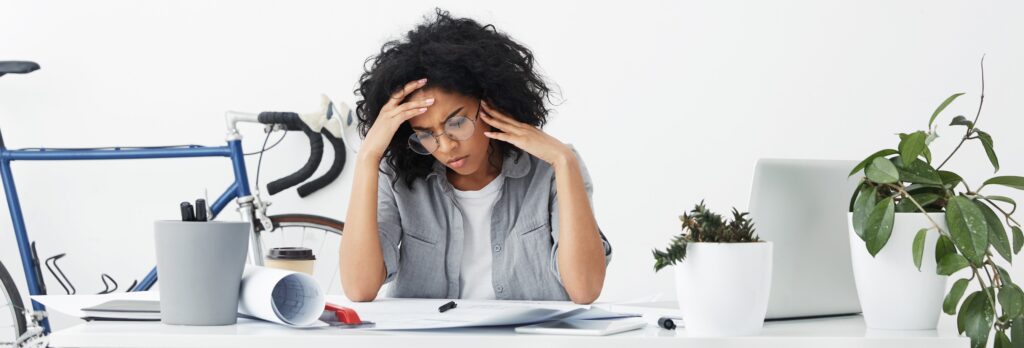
(271, 146)
(259, 163)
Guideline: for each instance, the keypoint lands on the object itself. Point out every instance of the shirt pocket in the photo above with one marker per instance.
(532, 261)
(421, 267)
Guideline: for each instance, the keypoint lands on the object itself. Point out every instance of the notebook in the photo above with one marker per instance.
(124, 310)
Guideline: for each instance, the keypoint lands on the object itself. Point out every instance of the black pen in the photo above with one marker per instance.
(445, 307)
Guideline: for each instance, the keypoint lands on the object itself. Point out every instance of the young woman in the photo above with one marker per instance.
(457, 193)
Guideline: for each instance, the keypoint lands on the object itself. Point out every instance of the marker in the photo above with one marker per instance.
(201, 209)
(445, 307)
(667, 323)
(187, 214)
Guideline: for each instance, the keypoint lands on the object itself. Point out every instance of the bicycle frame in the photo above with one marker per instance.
(239, 190)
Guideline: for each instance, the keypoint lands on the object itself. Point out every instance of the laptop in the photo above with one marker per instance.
(801, 206)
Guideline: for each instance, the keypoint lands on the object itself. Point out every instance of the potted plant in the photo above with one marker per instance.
(723, 284)
(958, 226)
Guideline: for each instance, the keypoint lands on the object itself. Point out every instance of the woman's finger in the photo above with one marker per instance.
(412, 104)
(500, 136)
(500, 124)
(496, 123)
(405, 91)
(407, 114)
(500, 115)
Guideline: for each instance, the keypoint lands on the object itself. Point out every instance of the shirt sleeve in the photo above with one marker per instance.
(589, 187)
(389, 224)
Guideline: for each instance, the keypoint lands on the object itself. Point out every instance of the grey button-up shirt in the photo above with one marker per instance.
(421, 233)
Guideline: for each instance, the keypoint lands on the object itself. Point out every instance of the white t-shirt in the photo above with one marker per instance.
(476, 206)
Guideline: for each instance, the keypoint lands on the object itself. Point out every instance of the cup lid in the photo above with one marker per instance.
(291, 253)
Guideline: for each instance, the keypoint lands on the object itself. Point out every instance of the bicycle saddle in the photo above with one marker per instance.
(17, 67)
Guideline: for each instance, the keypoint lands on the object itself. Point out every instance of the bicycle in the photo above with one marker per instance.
(31, 324)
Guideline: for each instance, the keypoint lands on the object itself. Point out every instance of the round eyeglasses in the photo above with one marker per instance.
(457, 128)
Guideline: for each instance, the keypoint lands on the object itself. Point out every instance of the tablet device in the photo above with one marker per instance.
(582, 327)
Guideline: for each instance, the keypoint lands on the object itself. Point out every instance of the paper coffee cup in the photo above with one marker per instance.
(291, 259)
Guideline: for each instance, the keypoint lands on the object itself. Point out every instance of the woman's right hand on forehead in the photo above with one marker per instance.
(391, 116)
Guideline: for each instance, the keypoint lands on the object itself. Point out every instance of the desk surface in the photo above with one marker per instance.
(828, 332)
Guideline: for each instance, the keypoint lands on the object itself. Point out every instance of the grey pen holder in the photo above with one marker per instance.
(199, 267)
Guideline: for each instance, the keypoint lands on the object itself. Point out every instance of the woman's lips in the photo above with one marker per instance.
(458, 162)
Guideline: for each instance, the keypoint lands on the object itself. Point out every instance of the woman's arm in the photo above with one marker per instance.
(362, 263)
(581, 253)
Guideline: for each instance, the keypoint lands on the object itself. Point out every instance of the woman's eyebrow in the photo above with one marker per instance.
(442, 122)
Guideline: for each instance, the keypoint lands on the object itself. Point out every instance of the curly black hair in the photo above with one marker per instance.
(461, 56)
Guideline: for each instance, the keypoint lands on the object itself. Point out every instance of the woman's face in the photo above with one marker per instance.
(464, 157)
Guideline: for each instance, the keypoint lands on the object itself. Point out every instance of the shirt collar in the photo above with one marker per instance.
(513, 167)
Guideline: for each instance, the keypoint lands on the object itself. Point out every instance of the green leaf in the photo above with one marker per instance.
(1004, 276)
(1018, 239)
(1001, 340)
(1006, 200)
(1016, 182)
(862, 207)
(986, 142)
(868, 160)
(917, 172)
(951, 263)
(961, 121)
(878, 226)
(924, 199)
(968, 227)
(912, 146)
(954, 295)
(950, 179)
(961, 318)
(918, 248)
(882, 171)
(978, 319)
(996, 233)
(1017, 332)
(943, 247)
(941, 107)
(1011, 299)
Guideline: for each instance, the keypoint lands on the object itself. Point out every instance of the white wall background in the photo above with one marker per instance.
(669, 102)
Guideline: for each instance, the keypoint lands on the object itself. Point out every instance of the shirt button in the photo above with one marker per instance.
(497, 248)
(500, 289)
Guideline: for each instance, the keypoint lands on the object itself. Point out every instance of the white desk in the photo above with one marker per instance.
(830, 332)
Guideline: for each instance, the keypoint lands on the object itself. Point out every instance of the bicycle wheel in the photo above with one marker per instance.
(321, 234)
(12, 311)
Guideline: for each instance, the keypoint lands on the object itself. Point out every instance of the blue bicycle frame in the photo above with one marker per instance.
(239, 189)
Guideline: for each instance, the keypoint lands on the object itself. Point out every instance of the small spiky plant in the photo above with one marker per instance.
(704, 226)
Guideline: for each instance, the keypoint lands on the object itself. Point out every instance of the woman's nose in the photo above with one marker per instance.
(446, 144)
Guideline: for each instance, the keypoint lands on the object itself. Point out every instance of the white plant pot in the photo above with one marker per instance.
(723, 288)
(894, 295)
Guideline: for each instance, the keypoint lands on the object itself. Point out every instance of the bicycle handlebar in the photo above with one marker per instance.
(332, 173)
(291, 121)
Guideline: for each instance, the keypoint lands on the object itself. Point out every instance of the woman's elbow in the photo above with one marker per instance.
(586, 297)
(360, 295)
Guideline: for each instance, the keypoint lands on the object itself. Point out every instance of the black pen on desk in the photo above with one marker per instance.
(445, 307)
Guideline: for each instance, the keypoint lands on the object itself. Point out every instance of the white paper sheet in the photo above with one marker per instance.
(289, 298)
(421, 314)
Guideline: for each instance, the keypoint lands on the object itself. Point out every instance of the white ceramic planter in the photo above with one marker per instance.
(894, 295)
(723, 288)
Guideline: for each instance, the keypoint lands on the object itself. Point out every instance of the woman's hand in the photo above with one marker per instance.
(391, 116)
(524, 136)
